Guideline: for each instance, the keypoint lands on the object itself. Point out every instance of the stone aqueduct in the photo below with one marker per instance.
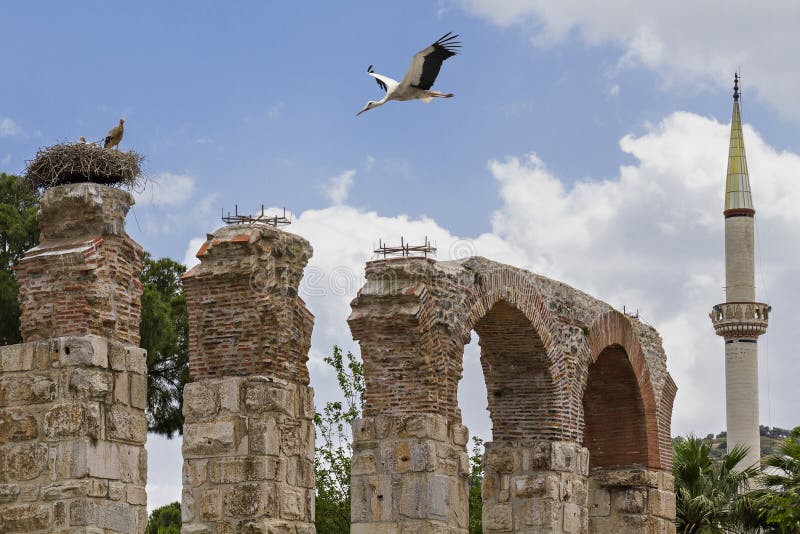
(579, 394)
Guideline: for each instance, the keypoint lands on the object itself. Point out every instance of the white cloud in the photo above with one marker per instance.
(166, 189)
(686, 42)
(339, 186)
(190, 258)
(6, 160)
(9, 128)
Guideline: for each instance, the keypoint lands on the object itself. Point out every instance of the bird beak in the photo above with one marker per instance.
(362, 111)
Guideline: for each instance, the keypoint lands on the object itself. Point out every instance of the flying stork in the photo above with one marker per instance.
(416, 84)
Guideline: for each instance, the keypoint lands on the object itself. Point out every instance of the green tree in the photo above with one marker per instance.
(164, 330)
(475, 485)
(165, 520)
(334, 450)
(18, 232)
(779, 501)
(712, 495)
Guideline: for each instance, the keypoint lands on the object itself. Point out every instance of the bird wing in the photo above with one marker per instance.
(384, 82)
(426, 63)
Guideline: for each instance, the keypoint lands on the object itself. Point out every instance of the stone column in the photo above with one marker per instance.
(72, 397)
(631, 500)
(410, 464)
(537, 486)
(248, 443)
(409, 472)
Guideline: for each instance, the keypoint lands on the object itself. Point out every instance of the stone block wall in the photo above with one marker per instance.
(248, 449)
(631, 500)
(410, 470)
(72, 434)
(536, 486)
(83, 277)
(248, 444)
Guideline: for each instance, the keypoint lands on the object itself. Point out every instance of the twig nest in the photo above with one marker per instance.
(70, 163)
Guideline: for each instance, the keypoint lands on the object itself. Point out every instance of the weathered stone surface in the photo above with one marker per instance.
(138, 384)
(17, 425)
(72, 419)
(250, 500)
(24, 518)
(263, 395)
(91, 351)
(498, 518)
(8, 493)
(24, 389)
(24, 461)
(92, 384)
(223, 436)
(200, 400)
(16, 358)
(126, 424)
(264, 435)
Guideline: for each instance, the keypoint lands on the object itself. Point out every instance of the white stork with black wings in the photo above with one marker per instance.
(416, 84)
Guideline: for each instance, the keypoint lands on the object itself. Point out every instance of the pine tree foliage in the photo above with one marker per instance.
(164, 331)
(18, 232)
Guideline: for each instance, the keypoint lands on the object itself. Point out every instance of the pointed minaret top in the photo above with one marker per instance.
(738, 201)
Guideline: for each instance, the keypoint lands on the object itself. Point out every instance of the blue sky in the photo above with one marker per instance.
(625, 106)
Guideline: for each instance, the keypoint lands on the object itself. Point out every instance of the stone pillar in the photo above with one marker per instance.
(409, 472)
(631, 500)
(410, 465)
(83, 277)
(248, 443)
(72, 397)
(537, 486)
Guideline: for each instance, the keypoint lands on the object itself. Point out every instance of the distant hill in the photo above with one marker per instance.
(770, 439)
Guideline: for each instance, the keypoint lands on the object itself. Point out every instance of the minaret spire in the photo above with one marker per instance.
(740, 320)
(737, 187)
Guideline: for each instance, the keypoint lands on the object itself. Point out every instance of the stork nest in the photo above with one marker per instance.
(70, 163)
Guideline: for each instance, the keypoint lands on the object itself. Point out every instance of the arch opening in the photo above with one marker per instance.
(615, 430)
(519, 387)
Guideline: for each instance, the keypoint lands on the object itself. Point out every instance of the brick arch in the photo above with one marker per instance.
(616, 352)
(519, 356)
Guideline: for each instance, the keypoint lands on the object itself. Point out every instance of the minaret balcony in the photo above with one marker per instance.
(740, 319)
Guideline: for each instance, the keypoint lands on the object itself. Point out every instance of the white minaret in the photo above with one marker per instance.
(740, 320)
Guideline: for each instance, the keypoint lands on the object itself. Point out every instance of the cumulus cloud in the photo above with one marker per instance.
(8, 128)
(339, 186)
(697, 42)
(167, 189)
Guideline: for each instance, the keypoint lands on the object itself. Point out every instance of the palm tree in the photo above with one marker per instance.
(712, 495)
(779, 501)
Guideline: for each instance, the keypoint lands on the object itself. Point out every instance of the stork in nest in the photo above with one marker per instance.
(114, 135)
